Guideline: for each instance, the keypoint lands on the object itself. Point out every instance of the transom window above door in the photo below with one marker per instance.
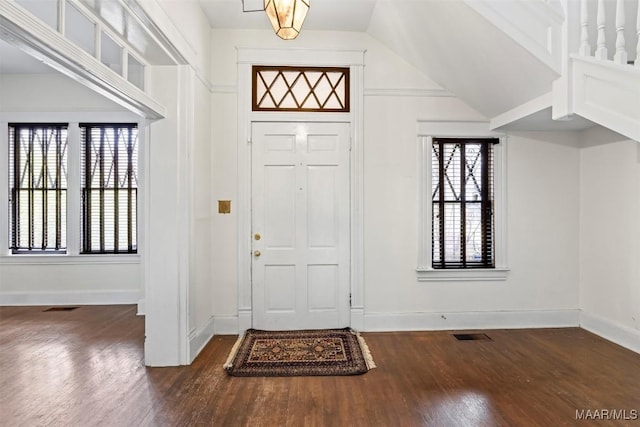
(308, 89)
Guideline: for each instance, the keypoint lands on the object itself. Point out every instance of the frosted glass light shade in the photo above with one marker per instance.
(286, 16)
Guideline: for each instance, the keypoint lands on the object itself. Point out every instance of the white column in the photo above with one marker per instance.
(167, 225)
(601, 43)
(621, 49)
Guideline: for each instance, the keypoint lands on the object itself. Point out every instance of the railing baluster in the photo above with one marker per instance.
(601, 43)
(585, 47)
(637, 61)
(621, 48)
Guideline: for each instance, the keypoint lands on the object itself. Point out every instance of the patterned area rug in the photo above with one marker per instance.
(299, 353)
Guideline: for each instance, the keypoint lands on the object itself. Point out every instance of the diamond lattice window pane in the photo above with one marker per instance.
(300, 89)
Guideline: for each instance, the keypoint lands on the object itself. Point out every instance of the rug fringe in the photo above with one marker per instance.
(232, 355)
(366, 353)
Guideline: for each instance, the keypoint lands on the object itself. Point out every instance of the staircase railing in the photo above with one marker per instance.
(622, 49)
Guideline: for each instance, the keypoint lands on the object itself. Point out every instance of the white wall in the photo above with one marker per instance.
(49, 93)
(542, 180)
(542, 203)
(610, 232)
(68, 279)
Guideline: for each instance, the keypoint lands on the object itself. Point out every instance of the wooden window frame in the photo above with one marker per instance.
(256, 75)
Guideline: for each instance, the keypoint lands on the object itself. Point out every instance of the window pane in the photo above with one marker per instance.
(473, 229)
(80, 29)
(135, 72)
(473, 172)
(109, 188)
(111, 53)
(37, 187)
(462, 203)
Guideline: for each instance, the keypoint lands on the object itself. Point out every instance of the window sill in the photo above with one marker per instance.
(65, 259)
(461, 275)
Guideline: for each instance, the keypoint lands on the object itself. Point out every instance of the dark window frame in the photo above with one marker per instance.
(56, 184)
(439, 257)
(89, 158)
(344, 99)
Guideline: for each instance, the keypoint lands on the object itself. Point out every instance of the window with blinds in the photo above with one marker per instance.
(462, 203)
(38, 187)
(109, 184)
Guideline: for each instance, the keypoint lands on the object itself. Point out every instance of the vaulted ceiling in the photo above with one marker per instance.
(445, 39)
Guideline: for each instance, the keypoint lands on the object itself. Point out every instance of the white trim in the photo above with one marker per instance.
(62, 259)
(425, 93)
(70, 117)
(142, 308)
(199, 338)
(224, 89)
(225, 325)
(46, 44)
(461, 275)
(304, 57)
(115, 297)
(185, 163)
(357, 318)
(452, 129)
(612, 331)
(442, 321)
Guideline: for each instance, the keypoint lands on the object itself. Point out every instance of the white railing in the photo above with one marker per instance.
(621, 53)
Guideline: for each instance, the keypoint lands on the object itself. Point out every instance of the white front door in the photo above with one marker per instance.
(300, 225)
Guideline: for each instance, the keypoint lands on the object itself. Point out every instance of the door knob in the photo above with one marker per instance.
(256, 253)
(257, 236)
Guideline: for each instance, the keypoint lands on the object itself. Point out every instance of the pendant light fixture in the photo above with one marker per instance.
(286, 16)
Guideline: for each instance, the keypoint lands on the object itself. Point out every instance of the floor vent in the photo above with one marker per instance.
(60, 309)
(472, 337)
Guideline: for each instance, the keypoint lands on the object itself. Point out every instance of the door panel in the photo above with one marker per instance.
(300, 222)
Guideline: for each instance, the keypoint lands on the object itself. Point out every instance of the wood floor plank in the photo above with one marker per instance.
(86, 368)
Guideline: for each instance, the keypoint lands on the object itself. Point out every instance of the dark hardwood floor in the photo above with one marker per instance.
(85, 368)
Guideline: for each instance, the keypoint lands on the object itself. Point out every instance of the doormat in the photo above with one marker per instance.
(299, 353)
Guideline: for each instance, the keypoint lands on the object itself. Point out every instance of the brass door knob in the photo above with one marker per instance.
(256, 253)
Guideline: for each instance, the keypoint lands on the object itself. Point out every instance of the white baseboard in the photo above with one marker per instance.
(142, 308)
(424, 321)
(199, 338)
(70, 298)
(357, 318)
(245, 317)
(619, 334)
(225, 325)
